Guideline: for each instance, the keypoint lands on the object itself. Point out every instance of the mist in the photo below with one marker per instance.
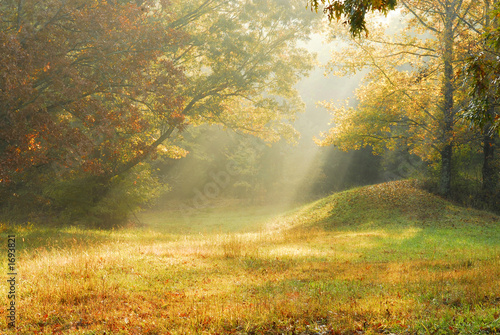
(249, 167)
(278, 174)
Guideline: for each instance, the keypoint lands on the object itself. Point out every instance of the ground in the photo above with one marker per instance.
(387, 258)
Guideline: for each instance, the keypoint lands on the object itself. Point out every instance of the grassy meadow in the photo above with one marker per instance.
(388, 258)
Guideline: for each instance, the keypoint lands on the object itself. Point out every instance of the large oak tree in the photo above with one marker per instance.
(90, 90)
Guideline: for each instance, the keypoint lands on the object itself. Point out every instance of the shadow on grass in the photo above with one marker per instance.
(28, 240)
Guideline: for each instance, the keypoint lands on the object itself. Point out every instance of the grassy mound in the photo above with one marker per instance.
(383, 259)
(383, 205)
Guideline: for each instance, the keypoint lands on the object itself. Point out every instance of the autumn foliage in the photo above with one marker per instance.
(73, 76)
(90, 90)
(414, 94)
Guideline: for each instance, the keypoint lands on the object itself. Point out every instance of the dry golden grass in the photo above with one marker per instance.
(366, 277)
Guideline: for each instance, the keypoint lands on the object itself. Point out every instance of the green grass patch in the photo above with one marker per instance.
(387, 258)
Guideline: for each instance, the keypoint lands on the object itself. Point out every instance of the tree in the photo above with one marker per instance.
(72, 73)
(91, 90)
(410, 94)
(482, 71)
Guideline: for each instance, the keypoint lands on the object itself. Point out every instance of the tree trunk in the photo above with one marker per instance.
(448, 103)
(446, 170)
(490, 173)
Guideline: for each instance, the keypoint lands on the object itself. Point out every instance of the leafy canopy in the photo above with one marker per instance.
(91, 90)
(354, 11)
(482, 75)
(401, 99)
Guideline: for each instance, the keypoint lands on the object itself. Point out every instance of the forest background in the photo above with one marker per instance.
(110, 107)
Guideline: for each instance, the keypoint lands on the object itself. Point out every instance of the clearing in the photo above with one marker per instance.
(387, 258)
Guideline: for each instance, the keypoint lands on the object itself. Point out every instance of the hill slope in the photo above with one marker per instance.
(387, 258)
(383, 205)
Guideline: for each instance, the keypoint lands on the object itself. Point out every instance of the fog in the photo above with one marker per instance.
(278, 173)
(161, 169)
